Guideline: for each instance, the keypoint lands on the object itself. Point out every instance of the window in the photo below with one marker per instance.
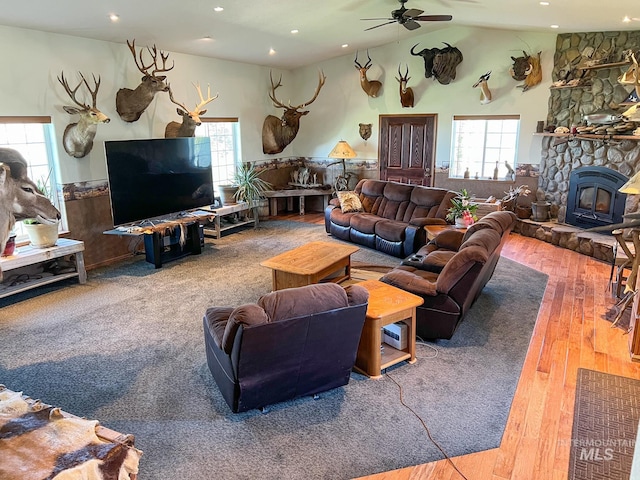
(481, 144)
(33, 137)
(225, 147)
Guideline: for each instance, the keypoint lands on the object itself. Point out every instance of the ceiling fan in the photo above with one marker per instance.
(409, 17)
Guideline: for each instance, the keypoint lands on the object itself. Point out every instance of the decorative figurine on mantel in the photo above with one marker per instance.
(302, 178)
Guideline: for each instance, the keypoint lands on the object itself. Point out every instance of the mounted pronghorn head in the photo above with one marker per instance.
(485, 93)
(277, 133)
(370, 87)
(131, 103)
(19, 196)
(190, 119)
(406, 93)
(77, 138)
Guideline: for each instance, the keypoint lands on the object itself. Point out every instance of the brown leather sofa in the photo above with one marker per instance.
(450, 272)
(392, 218)
(291, 343)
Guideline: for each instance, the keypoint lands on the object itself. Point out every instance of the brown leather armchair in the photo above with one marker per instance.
(291, 343)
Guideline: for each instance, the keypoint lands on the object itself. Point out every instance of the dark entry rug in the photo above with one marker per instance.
(605, 424)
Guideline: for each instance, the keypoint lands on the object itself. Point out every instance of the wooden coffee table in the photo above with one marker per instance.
(387, 304)
(311, 263)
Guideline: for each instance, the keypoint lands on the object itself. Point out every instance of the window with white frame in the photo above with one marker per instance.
(480, 144)
(34, 138)
(224, 134)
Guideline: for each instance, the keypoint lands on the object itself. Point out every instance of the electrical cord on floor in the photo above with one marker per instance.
(420, 341)
(426, 428)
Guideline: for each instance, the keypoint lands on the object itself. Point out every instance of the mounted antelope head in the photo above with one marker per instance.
(277, 133)
(406, 93)
(370, 87)
(485, 93)
(19, 196)
(190, 119)
(77, 138)
(632, 75)
(131, 103)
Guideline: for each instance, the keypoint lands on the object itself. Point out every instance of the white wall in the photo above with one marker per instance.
(34, 60)
(342, 104)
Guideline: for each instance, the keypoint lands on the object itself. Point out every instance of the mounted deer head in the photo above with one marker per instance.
(277, 133)
(19, 196)
(190, 119)
(131, 103)
(77, 138)
(485, 93)
(371, 87)
(406, 93)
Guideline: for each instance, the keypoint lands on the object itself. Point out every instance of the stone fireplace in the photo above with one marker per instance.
(594, 199)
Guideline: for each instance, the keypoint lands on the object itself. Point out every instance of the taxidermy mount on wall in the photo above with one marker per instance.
(277, 133)
(406, 93)
(365, 131)
(190, 119)
(526, 68)
(370, 87)
(485, 93)
(440, 63)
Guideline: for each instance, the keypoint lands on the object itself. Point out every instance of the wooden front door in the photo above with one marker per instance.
(407, 148)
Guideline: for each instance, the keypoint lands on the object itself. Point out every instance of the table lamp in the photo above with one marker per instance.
(632, 187)
(342, 150)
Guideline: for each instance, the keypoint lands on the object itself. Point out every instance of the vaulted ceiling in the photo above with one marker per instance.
(260, 31)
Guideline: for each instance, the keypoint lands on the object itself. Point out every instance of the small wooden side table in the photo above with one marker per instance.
(387, 304)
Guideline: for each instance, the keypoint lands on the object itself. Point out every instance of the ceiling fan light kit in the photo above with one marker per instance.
(408, 17)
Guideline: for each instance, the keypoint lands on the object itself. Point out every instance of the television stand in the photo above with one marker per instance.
(160, 247)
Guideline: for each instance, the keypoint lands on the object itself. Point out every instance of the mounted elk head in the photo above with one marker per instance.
(190, 119)
(371, 87)
(406, 93)
(131, 103)
(277, 133)
(77, 138)
(441, 63)
(19, 196)
(485, 93)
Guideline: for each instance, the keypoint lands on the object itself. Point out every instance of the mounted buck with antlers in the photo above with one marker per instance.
(371, 87)
(277, 133)
(130, 104)
(406, 93)
(190, 119)
(77, 138)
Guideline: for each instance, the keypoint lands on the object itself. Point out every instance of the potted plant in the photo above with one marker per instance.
(250, 187)
(42, 235)
(510, 201)
(463, 212)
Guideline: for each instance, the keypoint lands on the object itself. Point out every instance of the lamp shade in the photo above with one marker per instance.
(342, 150)
(632, 187)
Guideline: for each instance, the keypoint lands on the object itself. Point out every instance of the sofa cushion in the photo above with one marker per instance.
(290, 303)
(412, 280)
(250, 314)
(436, 260)
(365, 222)
(500, 221)
(459, 265)
(390, 230)
(342, 219)
(356, 294)
(349, 202)
(217, 318)
(487, 239)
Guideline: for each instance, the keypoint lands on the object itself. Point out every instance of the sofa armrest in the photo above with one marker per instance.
(423, 221)
(410, 282)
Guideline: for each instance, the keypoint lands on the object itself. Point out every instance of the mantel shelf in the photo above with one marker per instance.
(589, 136)
(605, 65)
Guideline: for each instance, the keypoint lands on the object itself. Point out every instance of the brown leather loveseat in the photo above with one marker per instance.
(291, 343)
(450, 272)
(392, 216)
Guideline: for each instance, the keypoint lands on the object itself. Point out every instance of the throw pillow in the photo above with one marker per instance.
(349, 202)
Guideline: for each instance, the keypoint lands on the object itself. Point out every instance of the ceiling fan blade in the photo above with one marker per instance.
(383, 18)
(433, 18)
(381, 25)
(412, 12)
(411, 24)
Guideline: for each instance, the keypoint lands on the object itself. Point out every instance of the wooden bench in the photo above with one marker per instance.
(290, 194)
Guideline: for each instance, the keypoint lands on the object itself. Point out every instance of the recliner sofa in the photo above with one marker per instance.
(291, 343)
(393, 216)
(450, 272)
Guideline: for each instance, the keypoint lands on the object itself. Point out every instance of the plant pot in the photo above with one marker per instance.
(523, 212)
(227, 194)
(460, 223)
(42, 235)
(540, 211)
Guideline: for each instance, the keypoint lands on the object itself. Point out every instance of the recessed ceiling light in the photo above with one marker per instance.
(207, 38)
(626, 19)
(554, 26)
(544, 4)
(114, 18)
(272, 51)
(218, 9)
(294, 31)
(345, 45)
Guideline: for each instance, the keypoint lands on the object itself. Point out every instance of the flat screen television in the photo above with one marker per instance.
(158, 177)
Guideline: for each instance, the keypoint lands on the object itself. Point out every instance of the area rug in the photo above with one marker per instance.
(605, 424)
(127, 348)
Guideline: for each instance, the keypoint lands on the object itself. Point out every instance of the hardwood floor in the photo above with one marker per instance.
(570, 333)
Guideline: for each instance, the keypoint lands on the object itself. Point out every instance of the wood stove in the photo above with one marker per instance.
(594, 199)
